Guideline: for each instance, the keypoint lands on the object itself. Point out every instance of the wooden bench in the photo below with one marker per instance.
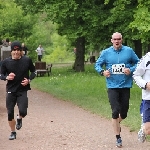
(42, 68)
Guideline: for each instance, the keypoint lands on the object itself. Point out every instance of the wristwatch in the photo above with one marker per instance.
(101, 73)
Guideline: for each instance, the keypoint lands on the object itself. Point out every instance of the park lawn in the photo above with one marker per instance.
(87, 90)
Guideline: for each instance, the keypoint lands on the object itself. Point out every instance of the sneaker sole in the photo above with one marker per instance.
(119, 146)
(18, 128)
(142, 140)
(12, 139)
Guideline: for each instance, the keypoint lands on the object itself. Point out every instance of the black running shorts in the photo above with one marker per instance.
(119, 101)
(19, 98)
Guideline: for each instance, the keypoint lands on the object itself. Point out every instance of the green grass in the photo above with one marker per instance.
(87, 90)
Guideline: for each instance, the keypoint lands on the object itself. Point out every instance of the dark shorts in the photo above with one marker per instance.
(19, 98)
(146, 111)
(119, 101)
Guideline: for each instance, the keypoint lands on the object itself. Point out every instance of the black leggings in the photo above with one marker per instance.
(19, 98)
(119, 101)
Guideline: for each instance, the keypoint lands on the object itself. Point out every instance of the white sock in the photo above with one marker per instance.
(18, 117)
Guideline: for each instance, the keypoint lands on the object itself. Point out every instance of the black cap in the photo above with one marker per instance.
(16, 45)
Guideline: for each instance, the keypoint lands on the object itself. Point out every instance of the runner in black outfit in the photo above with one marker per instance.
(15, 70)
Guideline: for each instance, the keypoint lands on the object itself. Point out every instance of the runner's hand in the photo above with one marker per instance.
(127, 71)
(106, 73)
(10, 76)
(148, 86)
(25, 82)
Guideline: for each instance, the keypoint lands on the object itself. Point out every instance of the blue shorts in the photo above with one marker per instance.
(146, 111)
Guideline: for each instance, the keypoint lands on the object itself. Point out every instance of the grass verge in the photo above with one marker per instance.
(87, 90)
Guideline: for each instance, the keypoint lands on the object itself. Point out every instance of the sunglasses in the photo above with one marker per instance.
(16, 50)
(117, 39)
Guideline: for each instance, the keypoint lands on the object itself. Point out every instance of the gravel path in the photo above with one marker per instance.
(52, 124)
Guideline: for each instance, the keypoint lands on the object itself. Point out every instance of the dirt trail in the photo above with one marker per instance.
(52, 124)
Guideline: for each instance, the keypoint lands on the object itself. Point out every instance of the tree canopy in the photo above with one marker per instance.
(87, 24)
(91, 19)
(13, 23)
(90, 24)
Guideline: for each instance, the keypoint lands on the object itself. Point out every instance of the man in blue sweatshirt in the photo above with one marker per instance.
(120, 62)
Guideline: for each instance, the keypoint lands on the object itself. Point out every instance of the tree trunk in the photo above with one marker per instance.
(80, 51)
(138, 48)
(148, 50)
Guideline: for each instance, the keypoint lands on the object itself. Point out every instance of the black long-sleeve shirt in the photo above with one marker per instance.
(21, 68)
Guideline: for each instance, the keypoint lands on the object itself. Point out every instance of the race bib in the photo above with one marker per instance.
(118, 68)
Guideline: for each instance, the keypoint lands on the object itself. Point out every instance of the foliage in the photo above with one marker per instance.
(32, 30)
(141, 22)
(90, 19)
(56, 47)
(41, 34)
(59, 51)
(14, 24)
(74, 18)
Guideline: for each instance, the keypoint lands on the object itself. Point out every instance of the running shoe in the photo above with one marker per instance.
(141, 136)
(19, 124)
(119, 143)
(12, 136)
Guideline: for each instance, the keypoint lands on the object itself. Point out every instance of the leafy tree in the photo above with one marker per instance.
(72, 18)
(14, 24)
(122, 17)
(41, 34)
(141, 20)
(85, 22)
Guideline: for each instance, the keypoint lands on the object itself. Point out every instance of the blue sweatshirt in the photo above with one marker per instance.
(115, 61)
